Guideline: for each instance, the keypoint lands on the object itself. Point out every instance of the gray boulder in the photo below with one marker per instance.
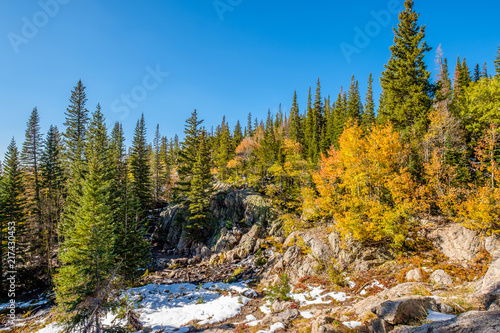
(406, 309)
(469, 322)
(441, 278)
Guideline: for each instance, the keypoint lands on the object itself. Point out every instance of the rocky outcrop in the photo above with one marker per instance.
(473, 322)
(461, 244)
(236, 210)
(488, 287)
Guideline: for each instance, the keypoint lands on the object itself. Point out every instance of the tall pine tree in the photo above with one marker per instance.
(407, 90)
(13, 213)
(87, 254)
(76, 124)
(369, 111)
(139, 169)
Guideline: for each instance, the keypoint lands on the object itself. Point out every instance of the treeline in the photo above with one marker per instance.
(81, 200)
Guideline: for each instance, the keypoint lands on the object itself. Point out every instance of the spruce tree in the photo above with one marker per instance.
(237, 135)
(444, 91)
(76, 123)
(295, 132)
(131, 244)
(30, 157)
(13, 213)
(497, 63)
(87, 254)
(407, 90)
(248, 129)
(484, 73)
(354, 105)
(52, 191)
(187, 154)
(201, 187)
(139, 168)
(157, 167)
(477, 73)
(369, 110)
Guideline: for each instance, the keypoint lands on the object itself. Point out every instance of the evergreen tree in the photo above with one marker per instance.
(407, 91)
(157, 167)
(87, 254)
(201, 188)
(131, 244)
(497, 63)
(369, 111)
(248, 129)
(465, 76)
(30, 157)
(12, 214)
(52, 191)
(484, 73)
(477, 73)
(317, 125)
(237, 135)
(139, 169)
(187, 154)
(76, 122)
(354, 105)
(223, 148)
(295, 132)
(444, 91)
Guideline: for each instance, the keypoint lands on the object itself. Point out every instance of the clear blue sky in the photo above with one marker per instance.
(251, 60)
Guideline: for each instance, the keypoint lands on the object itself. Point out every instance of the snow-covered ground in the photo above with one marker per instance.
(171, 307)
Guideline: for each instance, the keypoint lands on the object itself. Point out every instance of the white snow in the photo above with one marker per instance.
(170, 307)
(352, 324)
(266, 307)
(438, 316)
(314, 296)
(51, 328)
(375, 283)
(22, 305)
(306, 314)
(273, 328)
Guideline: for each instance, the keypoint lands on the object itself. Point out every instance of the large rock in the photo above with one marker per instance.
(457, 242)
(248, 241)
(405, 310)
(169, 231)
(364, 308)
(414, 275)
(441, 278)
(489, 286)
(469, 322)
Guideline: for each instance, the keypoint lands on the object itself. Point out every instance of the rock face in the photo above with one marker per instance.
(473, 322)
(234, 209)
(460, 243)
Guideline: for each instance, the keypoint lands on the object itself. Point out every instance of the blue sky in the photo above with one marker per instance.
(222, 57)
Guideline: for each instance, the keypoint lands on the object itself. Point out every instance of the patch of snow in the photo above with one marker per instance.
(314, 296)
(22, 305)
(375, 283)
(51, 328)
(170, 307)
(273, 328)
(438, 316)
(306, 314)
(352, 324)
(266, 307)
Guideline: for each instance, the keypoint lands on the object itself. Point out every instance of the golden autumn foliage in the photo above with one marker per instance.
(365, 187)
